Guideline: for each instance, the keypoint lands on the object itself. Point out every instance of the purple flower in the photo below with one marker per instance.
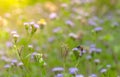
(98, 50)
(92, 22)
(93, 75)
(53, 16)
(20, 64)
(70, 23)
(7, 66)
(58, 69)
(79, 75)
(14, 62)
(103, 70)
(59, 75)
(57, 29)
(9, 44)
(97, 29)
(73, 70)
(51, 39)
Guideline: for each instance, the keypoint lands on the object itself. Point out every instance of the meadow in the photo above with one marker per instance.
(59, 38)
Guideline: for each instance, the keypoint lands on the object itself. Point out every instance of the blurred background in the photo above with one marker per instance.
(69, 23)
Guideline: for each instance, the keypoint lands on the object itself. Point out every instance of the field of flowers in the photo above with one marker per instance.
(59, 38)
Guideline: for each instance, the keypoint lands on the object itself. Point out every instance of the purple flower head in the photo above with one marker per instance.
(14, 62)
(92, 22)
(70, 23)
(59, 75)
(58, 69)
(57, 29)
(7, 66)
(53, 16)
(93, 75)
(20, 64)
(98, 50)
(88, 57)
(51, 39)
(73, 70)
(79, 75)
(103, 70)
(9, 44)
(36, 26)
(97, 29)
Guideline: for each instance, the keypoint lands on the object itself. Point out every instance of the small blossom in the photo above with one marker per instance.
(42, 23)
(4, 58)
(51, 39)
(53, 16)
(98, 50)
(79, 75)
(20, 64)
(14, 62)
(70, 23)
(15, 37)
(108, 66)
(9, 44)
(72, 35)
(14, 32)
(73, 70)
(7, 66)
(30, 46)
(59, 75)
(103, 70)
(26, 25)
(97, 61)
(97, 29)
(88, 57)
(56, 30)
(36, 26)
(93, 75)
(58, 69)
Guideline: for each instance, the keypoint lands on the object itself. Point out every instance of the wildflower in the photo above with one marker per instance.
(73, 36)
(59, 75)
(97, 61)
(14, 62)
(14, 32)
(26, 25)
(7, 66)
(15, 37)
(103, 70)
(108, 66)
(97, 29)
(88, 57)
(20, 64)
(92, 22)
(98, 50)
(42, 23)
(4, 58)
(58, 69)
(34, 27)
(73, 70)
(51, 39)
(93, 75)
(76, 52)
(30, 46)
(70, 23)
(9, 44)
(56, 30)
(79, 75)
(53, 16)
